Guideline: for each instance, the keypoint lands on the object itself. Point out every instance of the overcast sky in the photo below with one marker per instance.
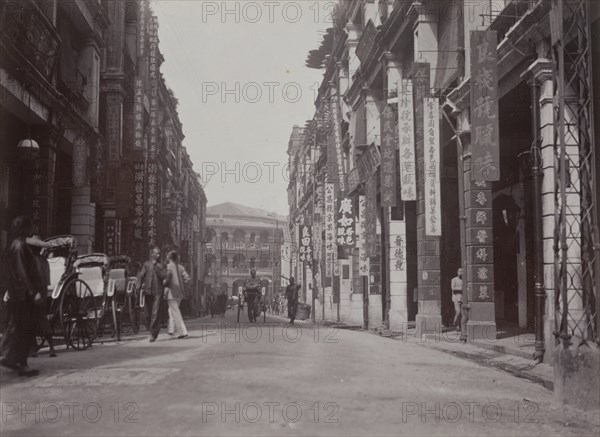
(238, 71)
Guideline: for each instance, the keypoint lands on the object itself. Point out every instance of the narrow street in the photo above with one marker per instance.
(275, 379)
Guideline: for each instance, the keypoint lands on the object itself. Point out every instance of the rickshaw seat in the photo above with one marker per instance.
(120, 280)
(92, 276)
(57, 269)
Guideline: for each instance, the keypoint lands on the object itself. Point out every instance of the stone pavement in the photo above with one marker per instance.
(276, 379)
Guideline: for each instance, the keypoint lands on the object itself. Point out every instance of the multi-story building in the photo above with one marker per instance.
(467, 128)
(240, 238)
(81, 84)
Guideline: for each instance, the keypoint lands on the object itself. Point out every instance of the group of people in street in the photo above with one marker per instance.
(160, 281)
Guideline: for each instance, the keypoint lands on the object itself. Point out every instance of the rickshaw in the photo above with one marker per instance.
(122, 288)
(72, 306)
(93, 269)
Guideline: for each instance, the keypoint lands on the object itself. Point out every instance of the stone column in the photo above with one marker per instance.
(396, 239)
(479, 239)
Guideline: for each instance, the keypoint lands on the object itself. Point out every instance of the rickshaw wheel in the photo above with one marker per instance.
(78, 314)
(116, 324)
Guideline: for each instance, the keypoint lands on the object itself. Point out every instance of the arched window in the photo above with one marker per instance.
(239, 236)
(224, 265)
(252, 237)
(252, 263)
(263, 263)
(264, 237)
(239, 261)
(224, 237)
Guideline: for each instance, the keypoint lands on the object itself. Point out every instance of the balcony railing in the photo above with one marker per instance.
(27, 32)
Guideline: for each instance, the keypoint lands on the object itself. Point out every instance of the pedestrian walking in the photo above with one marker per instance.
(150, 280)
(175, 292)
(291, 293)
(457, 298)
(24, 291)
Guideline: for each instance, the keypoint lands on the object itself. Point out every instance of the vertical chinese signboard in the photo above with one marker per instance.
(388, 157)
(406, 140)
(138, 203)
(363, 258)
(138, 114)
(484, 106)
(479, 242)
(305, 245)
(152, 170)
(142, 29)
(345, 223)
(371, 215)
(337, 137)
(330, 229)
(109, 236)
(433, 213)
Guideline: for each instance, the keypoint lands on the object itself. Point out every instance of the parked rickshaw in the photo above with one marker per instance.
(122, 287)
(72, 306)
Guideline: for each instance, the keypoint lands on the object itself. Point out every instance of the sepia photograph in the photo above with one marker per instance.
(299, 218)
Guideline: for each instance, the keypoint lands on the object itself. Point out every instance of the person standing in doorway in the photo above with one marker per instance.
(457, 297)
(151, 281)
(291, 293)
(174, 293)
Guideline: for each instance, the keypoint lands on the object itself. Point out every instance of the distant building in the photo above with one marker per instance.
(240, 238)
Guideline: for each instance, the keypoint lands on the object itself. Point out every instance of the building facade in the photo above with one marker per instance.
(239, 239)
(465, 131)
(83, 80)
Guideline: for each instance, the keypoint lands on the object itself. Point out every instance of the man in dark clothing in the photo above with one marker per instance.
(24, 291)
(252, 295)
(291, 292)
(150, 280)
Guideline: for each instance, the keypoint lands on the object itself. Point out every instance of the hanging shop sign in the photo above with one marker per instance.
(337, 138)
(110, 232)
(79, 162)
(142, 29)
(305, 250)
(363, 258)
(406, 140)
(153, 76)
(345, 223)
(480, 243)
(388, 157)
(431, 150)
(138, 202)
(330, 229)
(367, 41)
(152, 199)
(138, 113)
(371, 215)
(484, 106)
(368, 162)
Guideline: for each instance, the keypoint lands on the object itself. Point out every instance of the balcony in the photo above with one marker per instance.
(29, 36)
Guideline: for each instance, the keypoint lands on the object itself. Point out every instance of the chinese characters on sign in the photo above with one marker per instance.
(113, 104)
(142, 29)
(138, 113)
(363, 258)
(406, 139)
(153, 76)
(152, 196)
(371, 215)
(330, 229)
(138, 204)
(484, 106)
(388, 158)
(79, 162)
(368, 162)
(109, 235)
(337, 136)
(305, 247)
(479, 242)
(433, 213)
(345, 223)
(396, 256)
